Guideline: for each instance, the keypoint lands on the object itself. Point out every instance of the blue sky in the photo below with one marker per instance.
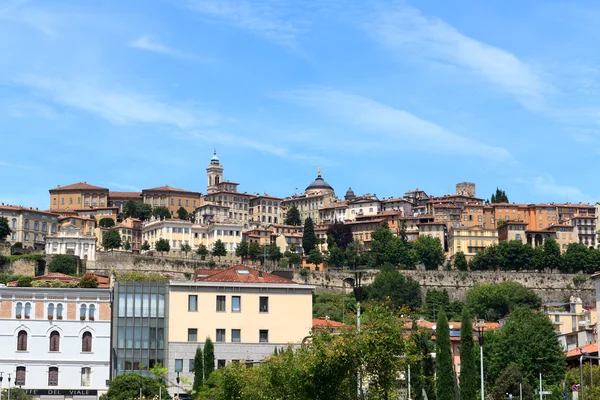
(384, 96)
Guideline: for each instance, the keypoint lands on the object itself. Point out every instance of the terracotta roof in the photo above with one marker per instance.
(250, 275)
(124, 194)
(79, 186)
(21, 208)
(324, 322)
(588, 348)
(203, 272)
(165, 188)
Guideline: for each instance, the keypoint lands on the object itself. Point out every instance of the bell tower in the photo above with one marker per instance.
(214, 173)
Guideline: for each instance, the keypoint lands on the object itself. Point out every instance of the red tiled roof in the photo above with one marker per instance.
(252, 276)
(202, 272)
(324, 322)
(166, 188)
(21, 208)
(79, 186)
(588, 348)
(124, 194)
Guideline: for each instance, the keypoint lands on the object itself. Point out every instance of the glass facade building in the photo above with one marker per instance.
(139, 326)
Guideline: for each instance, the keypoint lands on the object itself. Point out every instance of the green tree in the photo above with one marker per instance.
(64, 264)
(137, 209)
(380, 245)
(292, 217)
(242, 249)
(336, 257)
(516, 255)
(444, 371)
(202, 251)
(25, 281)
(198, 370)
(107, 222)
(499, 197)
(314, 257)
(284, 263)
(274, 252)
(430, 250)
(493, 301)
(512, 381)
(182, 213)
(127, 245)
(254, 250)
(460, 262)
(15, 394)
(468, 366)
(552, 258)
(161, 212)
(400, 290)
(209, 358)
(88, 280)
(340, 234)
(436, 300)
(186, 248)
(111, 239)
(523, 339)
(309, 239)
(219, 249)
(145, 246)
(576, 258)
(162, 245)
(295, 258)
(127, 386)
(4, 229)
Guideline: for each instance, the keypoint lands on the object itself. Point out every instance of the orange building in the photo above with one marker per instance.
(477, 215)
(541, 216)
(76, 196)
(172, 198)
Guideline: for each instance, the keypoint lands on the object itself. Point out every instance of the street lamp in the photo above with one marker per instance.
(539, 361)
(356, 285)
(480, 337)
(9, 374)
(177, 384)
(583, 354)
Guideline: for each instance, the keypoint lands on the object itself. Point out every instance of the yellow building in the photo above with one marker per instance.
(574, 325)
(77, 195)
(471, 240)
(265, 210)
(317, 195)
(87, 225)
(246, 313)
(29, 226)
(172, 198)
(176, 231)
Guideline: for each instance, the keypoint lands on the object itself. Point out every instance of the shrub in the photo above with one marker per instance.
(579, 279)
(25, 281)
(64, 264)
(88, 281)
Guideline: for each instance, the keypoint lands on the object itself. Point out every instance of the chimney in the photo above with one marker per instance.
(260, 274)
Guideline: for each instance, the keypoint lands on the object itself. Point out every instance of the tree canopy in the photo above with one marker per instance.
(242, 249)
(162, 245)
(491, 301)
(444, 371)
(469, 373)
(145, 246)
(182, 213)
(208, 358)
(314, 257)
(339, 234)
(219, 249)
(309, 239)
(161, 212)
(198, 370)
(499, 196)
(430, 251)
(137, 209)
(111, 239)
(107, 222)
(4, 228)
(400, 290)
(127, 386)
(64, 264)
(292, 217)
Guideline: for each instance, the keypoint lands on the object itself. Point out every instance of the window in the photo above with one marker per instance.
(19, 310)
(193, 302)
(22, 341)
(220, 335)
(220, 303)
(53, 376)
(86, 374)
(178, 365)
(20, 378)
(236, 303)
(192, 335)
(55, 341)
(86, 342)
(263, 304)
(91, 312)
(220, 364)
(263, 336)
(236, 335)
(82, 311)
(27, 310)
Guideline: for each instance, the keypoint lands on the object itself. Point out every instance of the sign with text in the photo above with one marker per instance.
(60, 392)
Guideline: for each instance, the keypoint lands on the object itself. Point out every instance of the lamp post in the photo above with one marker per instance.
(177, 384)
(539, 361)
(356, 284)
(581, 375)
(9, 374)
(480, 337)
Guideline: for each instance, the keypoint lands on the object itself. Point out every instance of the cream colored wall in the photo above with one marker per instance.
(289, 318)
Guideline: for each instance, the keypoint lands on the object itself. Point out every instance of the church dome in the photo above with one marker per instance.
(319, 184)
(214, 159)
(349, 194)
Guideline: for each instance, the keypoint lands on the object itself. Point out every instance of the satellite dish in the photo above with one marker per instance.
(433, 327)
(451, 327)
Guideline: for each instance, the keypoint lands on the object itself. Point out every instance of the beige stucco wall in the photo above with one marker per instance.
(289, 318)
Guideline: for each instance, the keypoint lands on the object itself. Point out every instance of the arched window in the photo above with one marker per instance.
(91, 312)
(22, 341)
(27, 310)
(86, 342)
(19, 310)
(82, 311)
(14, 223)
(36, 225)
(44, 227)
(59, 311)
(26, 224)
(54, 341)
(50, 310)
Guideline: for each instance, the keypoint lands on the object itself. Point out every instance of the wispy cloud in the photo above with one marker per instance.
(403, 28)
(546, 185)
(149, 44)
(18, 11)
(6, 164)
(380, 124)
(124, 186)
(268, 19)
(117, 106)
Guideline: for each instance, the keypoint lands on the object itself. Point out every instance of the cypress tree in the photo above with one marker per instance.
(468, 365)
(209, 358)
(309, 239)
(198, 370)
(444, 383)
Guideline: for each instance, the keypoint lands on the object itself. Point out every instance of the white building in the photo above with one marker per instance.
(70, 241)
(56, 341)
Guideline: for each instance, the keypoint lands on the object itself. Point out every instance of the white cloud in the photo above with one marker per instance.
(385, 127)
(264, 18)
(404, 28)
(17, 11)
(117, 106)
(149, 44)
